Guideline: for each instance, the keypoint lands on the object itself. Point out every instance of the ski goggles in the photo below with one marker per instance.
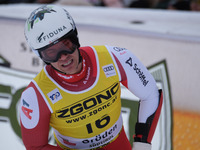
(54, 52)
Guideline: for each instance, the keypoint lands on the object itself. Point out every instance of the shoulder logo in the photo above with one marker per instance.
(120, 50)
(29, 109)
(54, 96)
(109, 70)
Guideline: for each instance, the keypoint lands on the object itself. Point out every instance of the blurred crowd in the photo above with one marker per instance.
(185, 5)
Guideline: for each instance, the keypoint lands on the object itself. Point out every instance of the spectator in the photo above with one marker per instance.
(15, 1)
(195, 5)
(112, 3)
(74, 2)
(162, 4)
(44, 1)
(140, 4)
(180, 5)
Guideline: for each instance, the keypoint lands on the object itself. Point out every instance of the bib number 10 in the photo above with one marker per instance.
(100, 123)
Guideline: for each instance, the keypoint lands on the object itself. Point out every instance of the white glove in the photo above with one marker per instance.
(141, 146)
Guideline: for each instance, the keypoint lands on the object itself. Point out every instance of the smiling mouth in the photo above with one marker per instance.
(66, 64)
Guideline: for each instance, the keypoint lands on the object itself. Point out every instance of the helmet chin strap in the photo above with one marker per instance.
(57, 69)
(80, 57)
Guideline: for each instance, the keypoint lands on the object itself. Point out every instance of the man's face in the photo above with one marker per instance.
(67, 62)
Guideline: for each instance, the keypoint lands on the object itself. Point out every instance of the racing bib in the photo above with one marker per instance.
(90, 117)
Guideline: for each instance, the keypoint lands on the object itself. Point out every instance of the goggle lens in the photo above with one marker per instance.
(53, 53)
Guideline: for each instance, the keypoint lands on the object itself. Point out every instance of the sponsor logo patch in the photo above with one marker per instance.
(120, 50)
(54, 96)
(109, 70)
(29, 109)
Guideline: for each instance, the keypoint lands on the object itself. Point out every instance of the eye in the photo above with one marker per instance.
(50, 52)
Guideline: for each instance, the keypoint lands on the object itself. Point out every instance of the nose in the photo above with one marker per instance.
(63, 56)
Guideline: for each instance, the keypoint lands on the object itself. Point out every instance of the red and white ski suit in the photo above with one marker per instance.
(84, 110)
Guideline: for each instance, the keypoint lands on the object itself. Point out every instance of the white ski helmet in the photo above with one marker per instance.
(47, 25)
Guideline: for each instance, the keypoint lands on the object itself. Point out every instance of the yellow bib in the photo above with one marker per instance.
(78, 117)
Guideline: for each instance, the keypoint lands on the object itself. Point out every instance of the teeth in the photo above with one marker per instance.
(67, 63)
